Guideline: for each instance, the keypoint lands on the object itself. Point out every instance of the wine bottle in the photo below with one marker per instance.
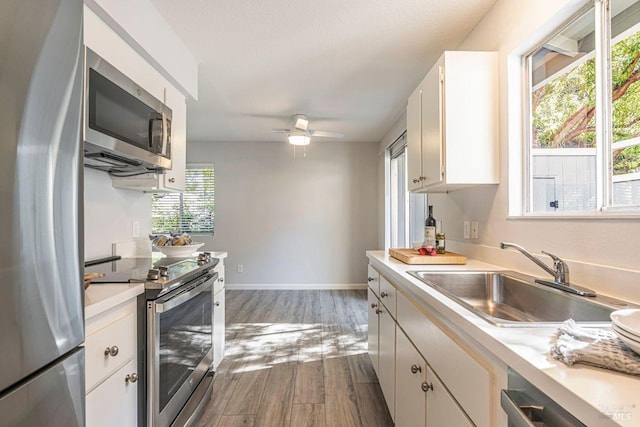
(430, 230)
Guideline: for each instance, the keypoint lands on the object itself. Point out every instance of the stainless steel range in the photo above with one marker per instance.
(175, 334)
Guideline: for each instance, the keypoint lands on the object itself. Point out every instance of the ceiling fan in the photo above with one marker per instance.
(300, 134)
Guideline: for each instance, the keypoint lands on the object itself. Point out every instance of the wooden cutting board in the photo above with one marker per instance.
(411, 256)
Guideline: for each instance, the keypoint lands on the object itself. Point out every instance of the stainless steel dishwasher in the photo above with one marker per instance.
(526, 406)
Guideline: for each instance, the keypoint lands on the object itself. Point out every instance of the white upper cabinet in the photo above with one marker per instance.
(453, 118)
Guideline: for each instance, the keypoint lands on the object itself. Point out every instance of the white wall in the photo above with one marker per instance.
(109, 214)
(604, 253)
(306, 221)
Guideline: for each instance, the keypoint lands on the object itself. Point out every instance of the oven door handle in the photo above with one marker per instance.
(163, 305)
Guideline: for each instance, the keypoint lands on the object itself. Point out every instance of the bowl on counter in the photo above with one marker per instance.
(179, 251)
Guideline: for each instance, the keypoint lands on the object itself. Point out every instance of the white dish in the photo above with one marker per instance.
(627, 319)
(619, 331)
(633, 345)
(179, 251)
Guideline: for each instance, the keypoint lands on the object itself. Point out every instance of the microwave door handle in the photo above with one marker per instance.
(152, 120)
(165, 134)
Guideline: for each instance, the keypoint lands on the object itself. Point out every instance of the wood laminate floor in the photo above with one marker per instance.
(296, 358)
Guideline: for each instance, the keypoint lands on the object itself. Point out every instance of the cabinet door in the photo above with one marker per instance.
(414, 140)
(114, 402)
(218, 328)
(373, 279)
(442, 409)
(411, 372)
(373, 329)
(432, 130)
(174, 179)
(387, 359)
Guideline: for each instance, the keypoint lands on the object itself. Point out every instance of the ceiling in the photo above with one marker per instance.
(349, 65)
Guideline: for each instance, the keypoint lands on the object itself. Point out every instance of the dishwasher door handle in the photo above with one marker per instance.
(516, 417)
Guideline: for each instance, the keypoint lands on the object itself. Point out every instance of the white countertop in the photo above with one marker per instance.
(100, 297)
(593, 395)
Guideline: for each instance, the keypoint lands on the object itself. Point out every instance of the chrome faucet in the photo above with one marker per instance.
(560, 271)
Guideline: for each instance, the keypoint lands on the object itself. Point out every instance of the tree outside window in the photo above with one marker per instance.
(564, 159)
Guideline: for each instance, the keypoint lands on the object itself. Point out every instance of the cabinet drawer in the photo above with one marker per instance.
(373, 280)
(120, 334)
(470, 383)
(388, 296)
(114, 402)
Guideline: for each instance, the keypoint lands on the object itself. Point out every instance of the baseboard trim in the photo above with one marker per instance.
(295, 286)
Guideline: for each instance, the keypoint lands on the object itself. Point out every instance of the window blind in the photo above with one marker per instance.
(189, 212)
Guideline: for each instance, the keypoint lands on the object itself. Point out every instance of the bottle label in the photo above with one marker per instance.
(430, 237)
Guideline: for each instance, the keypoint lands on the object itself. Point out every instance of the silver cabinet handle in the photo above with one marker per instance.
(425, 386)
(217, 303)
(131, 378)
(378, 311)
(172, 180)
(221, 280)
(374, 305)
(111, 351)
(383, 294)
(415, 369)
(370, 279)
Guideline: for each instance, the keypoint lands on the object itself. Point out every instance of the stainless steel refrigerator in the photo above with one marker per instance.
(41, 288)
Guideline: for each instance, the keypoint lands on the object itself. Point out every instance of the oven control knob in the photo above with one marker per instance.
(164, 271)
(153, 274)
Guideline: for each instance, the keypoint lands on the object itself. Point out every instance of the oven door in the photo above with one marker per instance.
(179, 348)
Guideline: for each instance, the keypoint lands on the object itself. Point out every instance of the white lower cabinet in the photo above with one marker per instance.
(411, 374)
(218, 328)
(442, 409)
(219, 320)
(111, 367)
(114, 402)
(428, 376)
(373, 329)
(387, 358)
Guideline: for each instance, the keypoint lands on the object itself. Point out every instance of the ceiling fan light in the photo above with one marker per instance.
(299, 139)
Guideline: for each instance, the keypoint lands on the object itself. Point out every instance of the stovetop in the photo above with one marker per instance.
(155, 273)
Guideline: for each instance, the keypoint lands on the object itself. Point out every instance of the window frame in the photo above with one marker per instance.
(191, 166)
(603, 116)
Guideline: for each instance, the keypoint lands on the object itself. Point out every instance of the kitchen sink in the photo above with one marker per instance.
(507, 298)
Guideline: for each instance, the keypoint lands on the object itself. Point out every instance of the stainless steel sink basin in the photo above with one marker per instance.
(508, 298)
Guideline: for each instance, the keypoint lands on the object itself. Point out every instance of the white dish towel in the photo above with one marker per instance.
(595, 347)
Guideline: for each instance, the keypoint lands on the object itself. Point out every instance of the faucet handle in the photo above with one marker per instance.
(562, 269)
(555, 259)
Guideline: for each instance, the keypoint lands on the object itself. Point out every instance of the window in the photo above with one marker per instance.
(191, 211)
(406, 210)
(583, 151)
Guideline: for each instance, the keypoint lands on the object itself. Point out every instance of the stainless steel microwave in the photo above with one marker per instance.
(127, 131)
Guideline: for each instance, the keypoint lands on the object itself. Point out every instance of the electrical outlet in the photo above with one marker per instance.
(467, 230)
(474, 229)
(240, 268)
(135, 229)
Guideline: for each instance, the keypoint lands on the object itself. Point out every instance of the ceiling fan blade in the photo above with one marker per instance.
(325, 134)
(279, 130)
